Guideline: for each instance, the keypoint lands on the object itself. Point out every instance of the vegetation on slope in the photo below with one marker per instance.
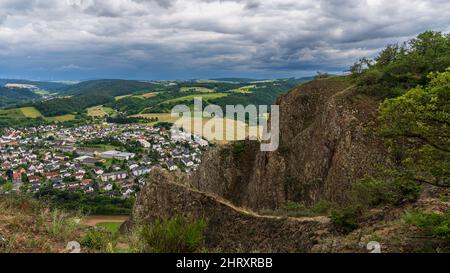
(398, 68)
(414, 122)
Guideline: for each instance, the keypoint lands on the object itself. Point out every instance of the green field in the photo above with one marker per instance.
(63, 118)
(104, 147)
(149, 95)
(244, 90)
(122, 97)
(12, 113)
(204, 96)
(42, 92)
(31, 112)
(110, 226)
(99, 111)
(196, 89)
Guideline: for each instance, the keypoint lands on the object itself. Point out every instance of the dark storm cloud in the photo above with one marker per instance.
(203, 38)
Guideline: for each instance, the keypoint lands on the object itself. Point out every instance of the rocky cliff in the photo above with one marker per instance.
(325, 145)
(230, 228)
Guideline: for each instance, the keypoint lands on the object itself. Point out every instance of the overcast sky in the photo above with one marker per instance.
(179, 39)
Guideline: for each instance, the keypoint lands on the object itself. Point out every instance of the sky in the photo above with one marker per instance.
(202, 39)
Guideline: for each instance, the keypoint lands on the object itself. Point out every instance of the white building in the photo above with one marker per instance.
(117, 155)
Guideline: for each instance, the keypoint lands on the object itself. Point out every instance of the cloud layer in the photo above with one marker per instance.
(158, 39)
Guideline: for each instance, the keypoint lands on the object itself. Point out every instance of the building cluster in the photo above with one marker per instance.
(81, 158)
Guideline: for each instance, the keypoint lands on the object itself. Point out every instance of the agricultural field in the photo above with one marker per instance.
(122, 97)
(149, 95)
(217, 129)
(12, 113)
(62, 118)
(99, 111)
(204, 96)
(244, 90)
(162, 117)
(31, 112)
(195, 125)
(196, 89)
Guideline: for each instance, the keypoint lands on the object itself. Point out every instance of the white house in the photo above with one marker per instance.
(141, 171)
(113, 176)
(145, 143)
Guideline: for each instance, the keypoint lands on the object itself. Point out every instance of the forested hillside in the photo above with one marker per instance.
(13, 96)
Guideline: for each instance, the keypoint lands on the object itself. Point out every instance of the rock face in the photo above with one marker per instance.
(325, 145)
(229, 228)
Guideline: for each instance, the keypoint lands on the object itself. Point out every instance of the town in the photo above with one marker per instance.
(104, 159)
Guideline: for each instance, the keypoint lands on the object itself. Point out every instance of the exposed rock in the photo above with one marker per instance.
(324, 147)
(229, 228)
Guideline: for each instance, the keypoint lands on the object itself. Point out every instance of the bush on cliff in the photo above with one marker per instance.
(432, 224)
(176, 235)
(371, 191)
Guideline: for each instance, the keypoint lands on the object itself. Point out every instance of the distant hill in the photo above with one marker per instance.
(44, 85)
(77, 97)
(236, 80)
(13, 96)
(249, 80)
(108, 87)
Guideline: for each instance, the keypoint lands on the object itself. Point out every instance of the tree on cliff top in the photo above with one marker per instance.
(399, 68)
(418, 125)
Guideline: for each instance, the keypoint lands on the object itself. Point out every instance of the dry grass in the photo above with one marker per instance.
(149, 95)
(27, 226)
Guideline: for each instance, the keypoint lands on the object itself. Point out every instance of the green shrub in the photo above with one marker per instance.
(345, 220)
(97, 239)
(175, 235)
(294, 209)
(433, 224)
(373, 192)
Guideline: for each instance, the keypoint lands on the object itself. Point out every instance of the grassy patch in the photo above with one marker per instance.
(191, 97)
(244, 90)
(12, 113)
(149, 95)
(110, 226)
(62, 118)
(31, 112)
(122, 97)
(196, 89)
(99, 111)
(432, 224)
(175, 235)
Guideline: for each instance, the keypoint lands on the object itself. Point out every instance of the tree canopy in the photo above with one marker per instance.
(418, 125)
(399, 68)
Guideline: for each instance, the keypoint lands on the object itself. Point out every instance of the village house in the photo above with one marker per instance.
(17, 177)
(171, 165)
(52, 175)
(141, 171)
(187, 162)
(113, 176)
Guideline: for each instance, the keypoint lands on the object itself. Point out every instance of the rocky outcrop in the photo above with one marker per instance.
(325, 145)
(230, 228)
